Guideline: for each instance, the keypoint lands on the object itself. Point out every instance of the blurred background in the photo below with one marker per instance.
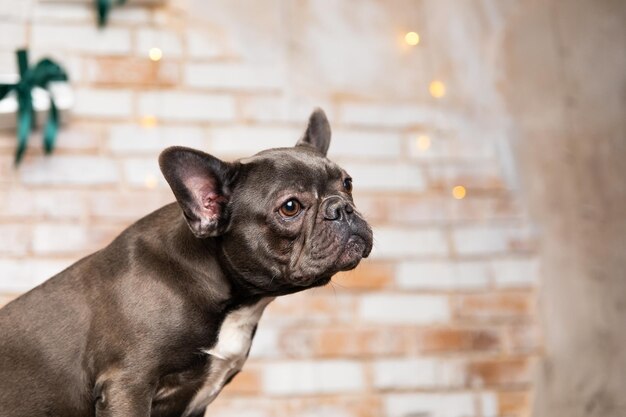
(485, 139)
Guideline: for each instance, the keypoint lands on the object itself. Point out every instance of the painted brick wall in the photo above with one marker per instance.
(440, 322)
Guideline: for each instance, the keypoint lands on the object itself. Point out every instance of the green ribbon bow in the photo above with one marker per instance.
(103, 7)
(38, 76)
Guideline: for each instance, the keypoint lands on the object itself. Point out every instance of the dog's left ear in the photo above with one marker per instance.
(202, 185)
(317, 134)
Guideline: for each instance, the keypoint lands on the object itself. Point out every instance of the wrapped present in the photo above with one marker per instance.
(38, 95)
(61, 91)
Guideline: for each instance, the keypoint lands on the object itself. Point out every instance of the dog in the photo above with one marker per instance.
(159, 321)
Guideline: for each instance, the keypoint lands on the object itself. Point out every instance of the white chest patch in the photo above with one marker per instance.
(229, 353)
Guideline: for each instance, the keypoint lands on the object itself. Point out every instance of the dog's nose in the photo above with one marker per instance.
(336, 208)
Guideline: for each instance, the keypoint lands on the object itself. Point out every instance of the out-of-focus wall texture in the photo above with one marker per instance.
(440, 322)
(566, 90)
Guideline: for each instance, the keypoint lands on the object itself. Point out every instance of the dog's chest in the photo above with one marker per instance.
(229, 353)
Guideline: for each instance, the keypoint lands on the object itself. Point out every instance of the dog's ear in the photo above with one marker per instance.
(317, 134)
(202, 185)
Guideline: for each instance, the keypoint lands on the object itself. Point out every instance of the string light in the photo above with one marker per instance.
(437, 89)
(148, 121)
(150, 181)
(155, 54)
(412, 38)
(423, 143)
(459, 192)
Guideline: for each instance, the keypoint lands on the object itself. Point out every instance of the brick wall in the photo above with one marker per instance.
(440, 322)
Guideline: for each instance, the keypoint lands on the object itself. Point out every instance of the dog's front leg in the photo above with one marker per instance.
(123, 394)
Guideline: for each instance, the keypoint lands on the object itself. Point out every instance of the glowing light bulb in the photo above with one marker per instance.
(150, 181)
(422, 142)
(459, 192)
(148, 121)
(437, 89)
(155, 54)
(412, 38)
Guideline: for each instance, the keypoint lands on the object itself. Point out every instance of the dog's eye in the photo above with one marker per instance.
(290, 208)
(347, 184)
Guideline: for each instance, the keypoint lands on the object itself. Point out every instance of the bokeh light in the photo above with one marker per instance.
(412, 38)
(437, 89)
(155, 54)
(459, 192)
(422, 142)
(148, 121)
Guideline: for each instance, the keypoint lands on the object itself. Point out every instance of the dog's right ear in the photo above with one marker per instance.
(202, 185)
(317, 134)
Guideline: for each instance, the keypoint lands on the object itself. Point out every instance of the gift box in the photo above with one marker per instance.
(61, 91)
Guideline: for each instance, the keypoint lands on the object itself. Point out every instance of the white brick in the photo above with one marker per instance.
(388, 115)
(265, 343)
(245, 141)
(8, 64)
(169, 42)
(483, 175)
(265, 109)
(71, 239)
(443, 275)
(130, 15)
(489, 404)
(297, 308)
(126, 206)
(418, 373)
(395, 242)
(459, 147)
(488, 239)
(103, 103)
(16, 11)
(145, 173)
(430, 405)
(13, 36)
(324, 410)
(49, 204)
(78, 138)
(69, 170)
(15, 239)
(57, 238)
(516, 272)
(312, 377)
(230, 76)
(22, 275)
(386, 177)
(404, 309)
(283, 109)
(187, 106)
(205, 44)
(64, 12)
(135, 138)
(353, 144)
(87, 38)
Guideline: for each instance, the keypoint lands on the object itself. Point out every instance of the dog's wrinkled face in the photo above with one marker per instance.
(294, 212)
(285, 217)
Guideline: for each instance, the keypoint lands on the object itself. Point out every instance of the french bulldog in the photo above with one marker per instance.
(159, 321)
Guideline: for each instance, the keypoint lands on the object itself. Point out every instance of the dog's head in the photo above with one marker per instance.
(284, 218)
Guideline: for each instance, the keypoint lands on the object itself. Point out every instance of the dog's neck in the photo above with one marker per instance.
(197, 265)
